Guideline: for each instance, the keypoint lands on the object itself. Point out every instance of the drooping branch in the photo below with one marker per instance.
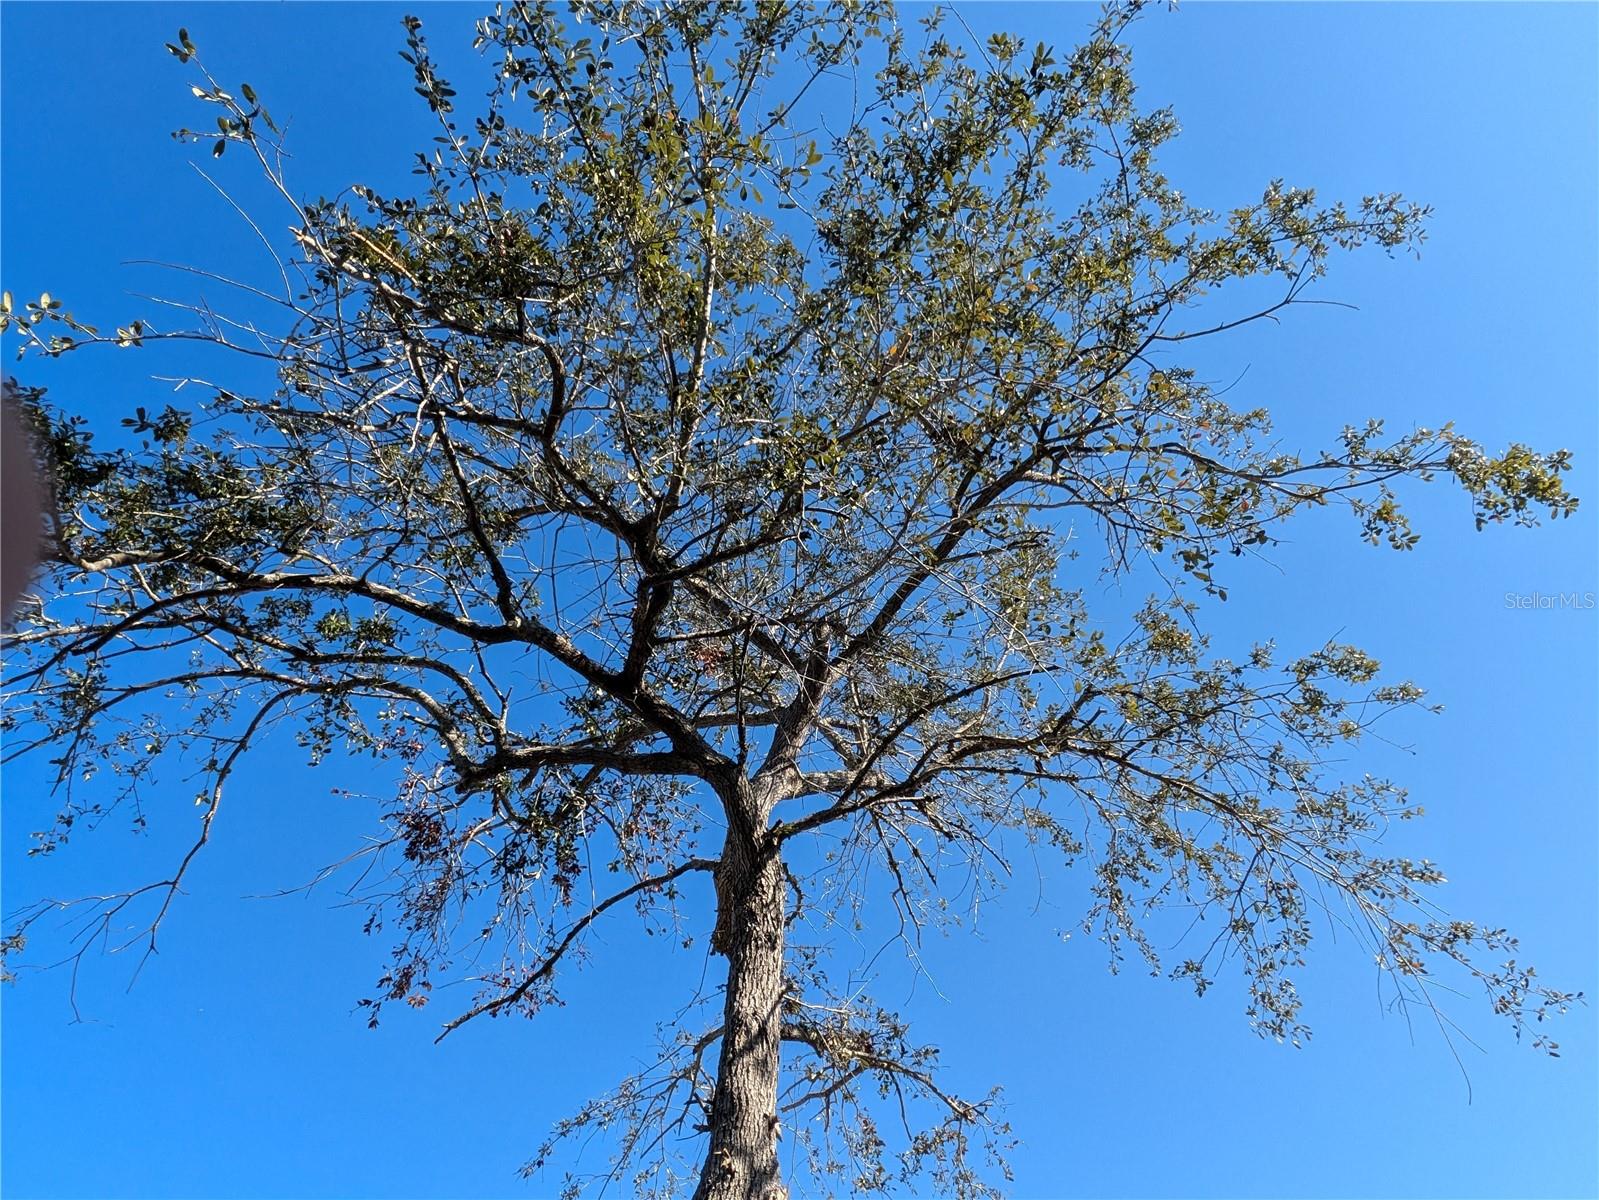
(542, 973)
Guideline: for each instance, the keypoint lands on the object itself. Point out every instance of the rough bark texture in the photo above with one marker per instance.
(742, 1163)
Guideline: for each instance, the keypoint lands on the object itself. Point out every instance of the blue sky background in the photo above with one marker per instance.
(238, 1066)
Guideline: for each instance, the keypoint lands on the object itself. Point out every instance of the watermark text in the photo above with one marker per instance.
(1552, 600)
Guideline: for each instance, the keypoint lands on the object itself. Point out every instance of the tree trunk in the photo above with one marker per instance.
(741, 1162)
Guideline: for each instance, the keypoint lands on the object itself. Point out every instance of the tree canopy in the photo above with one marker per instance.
(754, 426)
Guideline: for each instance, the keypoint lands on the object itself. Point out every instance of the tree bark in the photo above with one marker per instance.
(741, 1162)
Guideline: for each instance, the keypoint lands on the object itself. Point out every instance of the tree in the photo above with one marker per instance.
(764, 448)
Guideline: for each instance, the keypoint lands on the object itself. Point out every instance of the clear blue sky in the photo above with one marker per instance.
(238, 1067)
